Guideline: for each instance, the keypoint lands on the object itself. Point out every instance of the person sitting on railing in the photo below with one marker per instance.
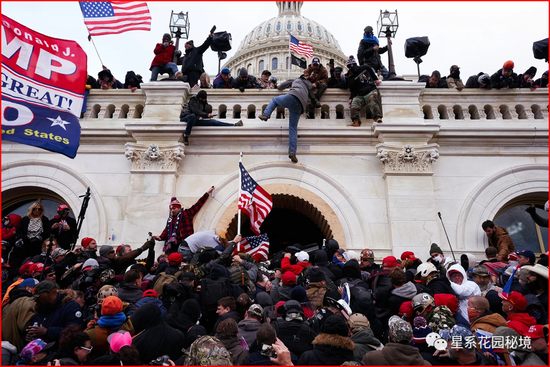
(480, 80)
(163, 62)
(453, 80)
(433, 81)
(245, 81)
(195, 114)
(223, 80)
(505, 77)
(362, 83)
(264, 79)
(337, 78)
(318, 75)
(526, 80)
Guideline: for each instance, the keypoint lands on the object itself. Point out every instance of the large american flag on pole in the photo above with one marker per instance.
(301, 48)
(113, 17)
(256, 246)
(254, 200)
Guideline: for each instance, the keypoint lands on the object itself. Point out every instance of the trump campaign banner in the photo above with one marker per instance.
(43, 83)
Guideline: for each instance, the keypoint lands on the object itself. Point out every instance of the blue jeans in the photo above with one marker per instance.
(295, 110)
(166, 68)
(193, 120)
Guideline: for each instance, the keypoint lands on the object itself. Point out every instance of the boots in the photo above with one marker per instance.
(263, 117)
(293, 158)
(378, 119)
(240, 123)
(356, 122)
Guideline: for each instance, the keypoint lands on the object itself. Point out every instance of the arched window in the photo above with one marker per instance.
(274, 64)
(18, 200)
(259, 32)
(268, 29)
(278, 27)
(299, 26)
(289, 26)
(309, 29)
(319, 31)
(262, 64)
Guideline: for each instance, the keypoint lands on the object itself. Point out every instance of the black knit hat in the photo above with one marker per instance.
(531, 71)
(335, 324)
(316, 274)
(202, 94)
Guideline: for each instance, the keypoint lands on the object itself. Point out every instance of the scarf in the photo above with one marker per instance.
(35, 227)
(371, 38)
(112, 321)
(172, 226)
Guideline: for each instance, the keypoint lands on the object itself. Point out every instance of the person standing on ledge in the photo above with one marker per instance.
(179, 225)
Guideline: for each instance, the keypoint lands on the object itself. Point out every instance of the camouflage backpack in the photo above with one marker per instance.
(441, 318)
(208, 351)
(197, 270)
(238, 275)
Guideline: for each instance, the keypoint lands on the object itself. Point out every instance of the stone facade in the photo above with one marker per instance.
(462, 154)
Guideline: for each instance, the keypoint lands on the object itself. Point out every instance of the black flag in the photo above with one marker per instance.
(298, 62)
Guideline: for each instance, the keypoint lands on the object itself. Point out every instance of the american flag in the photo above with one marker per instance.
(254, 200)
(301, 48)
(256, 246)
(112, 17)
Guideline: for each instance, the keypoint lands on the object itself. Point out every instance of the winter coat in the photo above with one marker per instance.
(135, 82)
(328, 350)
(442, 83)
(248, 329)
(502, 241)
(99, 334)
(520, 322)
(320, 260)
(192, 60)
(316, 293)
(382, 289)
(463, 291)
(130, 293)
(154, 337)
(57, 316)
(16, 317)
(395, 354)
(9, 354)
(320, 75)
(487, 322)
(111, 81)
(365, 342)
(250, 83)
(367, 55)
(219, 83)
(32, 247)
(163, 55)
(400, 295)
(185, 316)
(296, 269)
(441, 285)
(299, 88)
(498, 81)
(230, 315)
(359, 86)
(196, 107)
(239, 355)
(64, 238)
(472, 82)
(154, 300)
(296, 335)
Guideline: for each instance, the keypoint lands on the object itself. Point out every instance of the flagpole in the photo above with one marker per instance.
(90, 36)
(289, 56)
(239, 212)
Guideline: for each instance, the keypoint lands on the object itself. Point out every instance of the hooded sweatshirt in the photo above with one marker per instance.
(395, 354)
(365, 342)
(463, 291)
(520, 322)
(400, 295)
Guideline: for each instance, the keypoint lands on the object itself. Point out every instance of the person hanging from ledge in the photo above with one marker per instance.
(194, 113)
(179, 225)
(362, 83)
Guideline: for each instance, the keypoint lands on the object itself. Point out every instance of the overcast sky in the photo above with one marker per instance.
(477, 36)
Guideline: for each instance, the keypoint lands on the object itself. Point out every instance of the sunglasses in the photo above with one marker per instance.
(38, 209)
(88, 349)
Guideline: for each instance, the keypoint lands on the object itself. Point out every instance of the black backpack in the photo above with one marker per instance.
(212, 290)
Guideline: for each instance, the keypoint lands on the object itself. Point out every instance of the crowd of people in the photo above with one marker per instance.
(202, 301)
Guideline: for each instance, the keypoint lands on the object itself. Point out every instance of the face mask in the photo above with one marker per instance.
(438, 259)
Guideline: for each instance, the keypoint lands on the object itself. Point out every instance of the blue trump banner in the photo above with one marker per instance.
(43, 83)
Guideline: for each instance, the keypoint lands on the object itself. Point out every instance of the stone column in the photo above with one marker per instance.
(407, 160)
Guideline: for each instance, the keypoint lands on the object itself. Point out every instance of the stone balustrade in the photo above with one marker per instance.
(402, 102)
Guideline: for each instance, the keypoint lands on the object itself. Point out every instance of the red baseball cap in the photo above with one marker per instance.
(289, 278)
(390, 262)
(36, 268)
(25, 267)
(408, 255)
(515, 298)
(150, 293)
(175, 258)
(535, 332)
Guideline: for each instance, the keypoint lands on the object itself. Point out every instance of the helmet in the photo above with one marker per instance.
(422, 301)
(291, 310)
(332, 244)
(425, 269)
(367, 254)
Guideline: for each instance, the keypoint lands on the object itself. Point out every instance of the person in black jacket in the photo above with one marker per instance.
(480, 80)
(362, 83)
(191, 63)
(337, 78)
(154, 337)
(433, 81)
(245, 81)
(292, 329)
(505, 77)
(526, 80)
(132, 81)
(63, 227)
(195, 112)
(33, 229)
(369, 52)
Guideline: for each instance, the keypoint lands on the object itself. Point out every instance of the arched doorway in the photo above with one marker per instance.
(292, 220)
(17, 201)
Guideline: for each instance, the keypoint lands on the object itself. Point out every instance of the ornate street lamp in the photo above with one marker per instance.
(387, 25)
(179, 27)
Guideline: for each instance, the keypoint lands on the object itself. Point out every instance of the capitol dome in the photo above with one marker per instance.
(266, 46)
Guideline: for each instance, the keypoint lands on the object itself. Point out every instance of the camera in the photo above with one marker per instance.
(160, 361)
(268, 351)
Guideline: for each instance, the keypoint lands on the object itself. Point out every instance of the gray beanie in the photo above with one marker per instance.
(243, 73)
(104, 250)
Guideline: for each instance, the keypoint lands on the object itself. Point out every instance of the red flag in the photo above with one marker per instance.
(254, 200)
(112, 17)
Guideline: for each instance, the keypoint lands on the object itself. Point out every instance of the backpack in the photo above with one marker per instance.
(442, 318)
(304, 281)
(212, 290)
(238, 275)
(208, 351)
(162, 280)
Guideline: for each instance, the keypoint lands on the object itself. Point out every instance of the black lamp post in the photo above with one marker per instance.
(387, 25)
(179, 28)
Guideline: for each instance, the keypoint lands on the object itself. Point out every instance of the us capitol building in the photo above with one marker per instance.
(470, 156)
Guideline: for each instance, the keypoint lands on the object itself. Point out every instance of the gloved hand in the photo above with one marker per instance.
(19, 243)
(148, 245)
(177, 53)
(241, 89)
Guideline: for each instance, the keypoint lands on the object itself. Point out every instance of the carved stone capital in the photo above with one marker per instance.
(152, 158)
(408, 159)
